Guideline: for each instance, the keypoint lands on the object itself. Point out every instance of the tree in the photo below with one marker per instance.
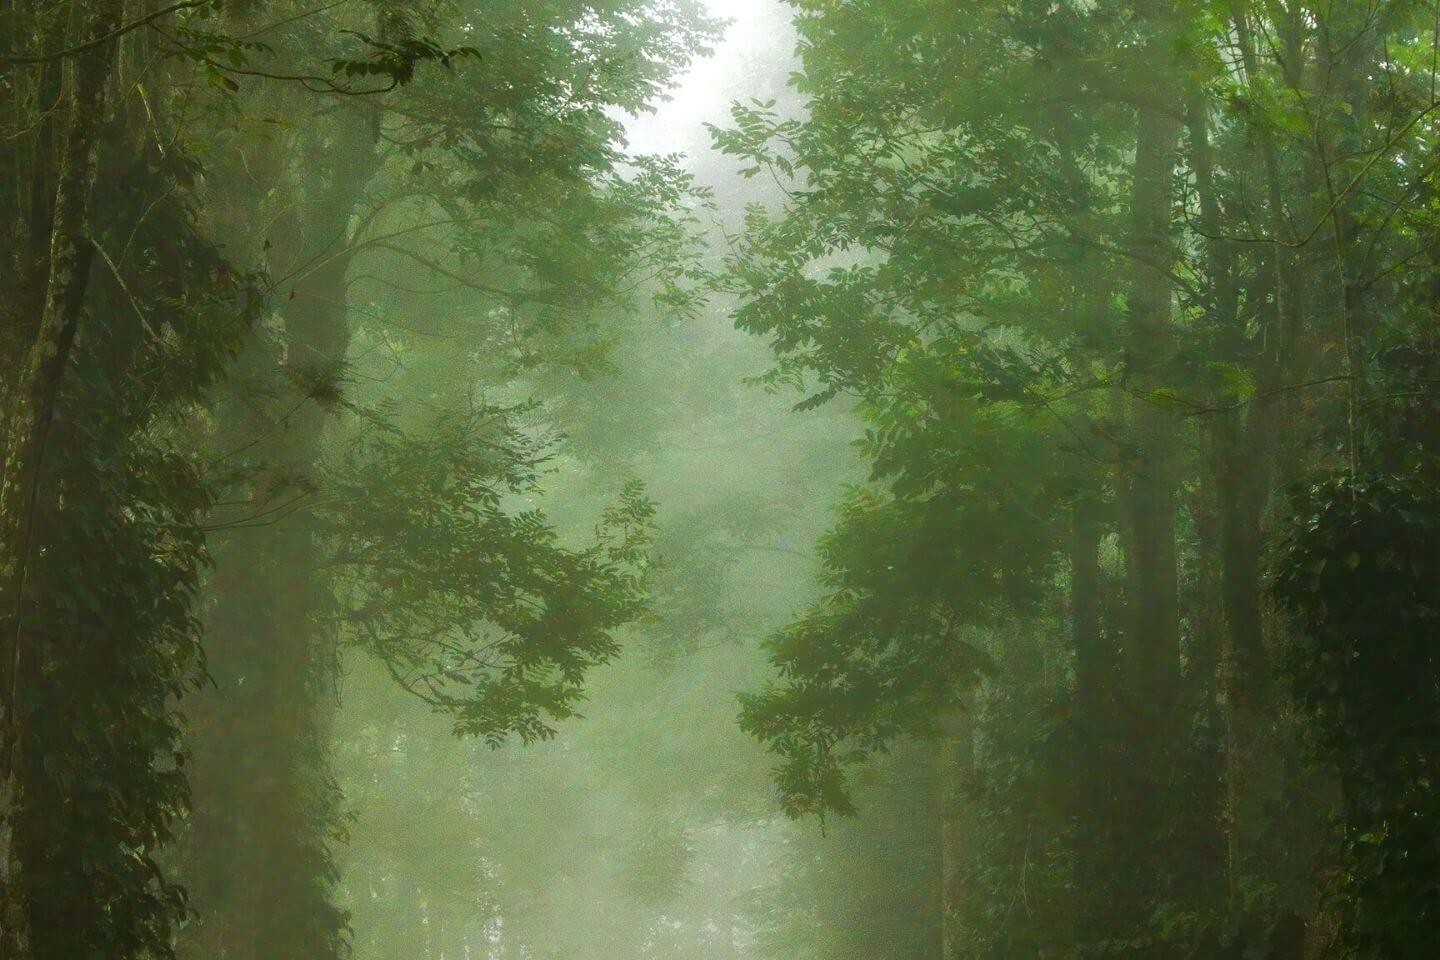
(121, 315)
(1064, 255)
(102, 418)
(386, 524)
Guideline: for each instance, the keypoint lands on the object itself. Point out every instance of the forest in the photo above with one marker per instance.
(720, 479)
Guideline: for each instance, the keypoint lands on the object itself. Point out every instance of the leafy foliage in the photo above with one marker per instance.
(1355, 573)
(112, 641)
(479, 611)
(1101, 276)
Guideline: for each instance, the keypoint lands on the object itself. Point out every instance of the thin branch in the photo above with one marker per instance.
(304, 15)
(134, 304)
(1336, 198)
(101, 41)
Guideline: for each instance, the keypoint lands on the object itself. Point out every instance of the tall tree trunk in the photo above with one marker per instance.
(1153, 659)
(32, 164)
(1229, 547)
(1094, 659)
(1246, 445)
(1151, 663)
(1246, 450)
(957, 770)
(1095, 812)
(267, 813)
(30, 410)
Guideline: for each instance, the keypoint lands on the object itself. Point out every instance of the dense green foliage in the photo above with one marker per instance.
(978, 500)
(1105, 278)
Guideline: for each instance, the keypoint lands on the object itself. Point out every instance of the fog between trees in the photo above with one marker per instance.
(867, 480)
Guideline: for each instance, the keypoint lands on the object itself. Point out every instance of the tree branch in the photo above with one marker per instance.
(101, 41)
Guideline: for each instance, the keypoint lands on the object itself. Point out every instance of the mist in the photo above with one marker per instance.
(705, 480)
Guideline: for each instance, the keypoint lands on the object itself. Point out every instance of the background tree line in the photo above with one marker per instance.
(1137, 301)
